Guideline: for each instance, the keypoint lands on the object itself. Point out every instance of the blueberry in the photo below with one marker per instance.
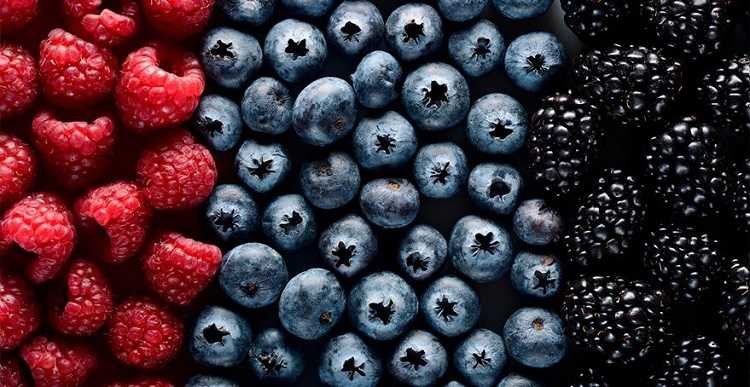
(419, 360)
(331, 182)
(389, 203)
(385, 141)
(217, 120)
(261, 166)
(309, 8)
(273, 360)
(480, 249)
(514, 380)
(534, 337)
(414, 30)
(252, 275)
(295, 50)
(324, 111)
(495, 187)
(536, 275)
(497, 124)
(253, 12)
(422, 252)
(232, 213)
(480, 358)
(521, 9)
(376, 79)
(454, 383)
(267, 106)
(348, 361)
(221, 338)
(536, 223)
(311, 304)
(210, 381)
(450, 306)
(440, 170)
(355, 27)
(461, 10)
(382, 305)
(289, 222)
(533, 59)
(477, 49)
(348, 245)
(230, 57)
(436, 96)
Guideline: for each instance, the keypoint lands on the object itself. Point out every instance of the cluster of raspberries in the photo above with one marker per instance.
(76, 202)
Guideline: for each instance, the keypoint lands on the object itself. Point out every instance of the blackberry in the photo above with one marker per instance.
(620, 321)
(636, 86)
(724, 94)
(687, 168)
(607, 220)
(588, 377)
(563, 141)
(740, 196)
(683, 261)
(696, 361)
(596, 21)
(734, 307)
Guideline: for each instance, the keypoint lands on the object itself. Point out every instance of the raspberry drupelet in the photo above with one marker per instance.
(17, 169)
(96, 22)
(83, 303)
(19, 80)
(19, 311)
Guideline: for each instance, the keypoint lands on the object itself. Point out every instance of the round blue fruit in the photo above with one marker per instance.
(450, 306)
(522, 9)
(261, 166)
(382, 306)
(267, 106)
(536, 275)
(348, 361)
(422, 252)
(440, 170)
(230, 57)
(253, 275)
(478, 49)
(253, 12)
(495, 187)
(232, 213)
(461, 10)
(273, 360)
(387, 141)
(533, 59)
(480, 358)
(480, 249)
(217, 120)
(497, 124)
(289, 223)
(414, 31)
(330, 182)
(514, 380)
(220, 338)
(308, 8)
(389, 203)
(295, 50)
(536, 223)
(376, 79)
(419, 359)
(210, 381)
(311, 304)
(324, 111)
(436, 96)
(535, 338)
(355, 27)
(348, 245)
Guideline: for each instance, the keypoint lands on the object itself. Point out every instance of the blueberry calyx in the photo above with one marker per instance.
(413, 31)
(227, 221)
(289, 222)
(261, 168)
(416, 262)
(222, 50)
(536, 64)
(209, 126)
(385, 143)
(382, 311)
(484, 242)
(435, 95)
(352, 369)
(214, 334)
(498, 188)
(439, 173)
(446, 309)
(480, 359)
(414, 358)
(350, 31)
(543, 280)
(272, 363)
(344, 254)
(481, 49)
(296, 49)
(499, 130)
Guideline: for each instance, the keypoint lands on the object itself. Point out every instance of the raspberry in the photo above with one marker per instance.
(17, 169)
(150, 97)
(77, 153)
(14, 14)
(178, 18)
(143, 382)
(143, 334)
(106, 27)
(58, 362)
(178, 268)
(121, 212)
(18, 79)
(41, 224)
(19, 313)
(10, 372)
(73, 71)
(176, 172)
(84, 303)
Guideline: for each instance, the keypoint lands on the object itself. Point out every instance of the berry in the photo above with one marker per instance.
(175, 171)
(83, 302)
(17, 169)
(734, 314)
(536, 223)
(253, 275)
(740, 196)
(19, 312)
(76, 153)
(143, 382)
(514, 380)
(694, 361)
(274, 360)
(119, 210)
(217, 121)
(178, 268)
(74, 72)
(497, 124)
(724, 94)
(209, 381)
(15, 14)
(440, 170)
(295, 50)
(311, 304)
(149, 96)
(41, 225)
(262, 167)
(230, 57)
(376, 79)
(414, 31)
(103, 24)
(389, 203)
(232, 213)
(10, 372)
(308, 8)
(18, 79)
(143, 334)
(535, 337)
(220, 338)
(450, 306)
(480, 357)
(436, 96)
(495, 187)
(588, 377)
(480, 249)
(289, 222)
(325, 111)
(252, 12)
(461, 10)
(422, 252)
(536, 275)
(331, 182)
(478, 49)
(177, 19)
(385, 141)
(348, 245)
(58, 362)
(534, 59)
(419, 359)
(382, 305)
(598, 21)
(355, 27)
(267, 106)
(347, 360)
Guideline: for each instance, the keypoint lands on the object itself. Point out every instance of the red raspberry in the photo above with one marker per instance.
(143, 382)
(41, 224)
(10, 372)
(121, 211)
(19, 313)
(106, 27)
(57, 362)
(17, 169)
(178, 268)
(150, 97)
(176, 172)
(84, 303)
(178, 18)
(15, 14)
(143, 334)
(18, 79)
(77, 153)
(73, 71)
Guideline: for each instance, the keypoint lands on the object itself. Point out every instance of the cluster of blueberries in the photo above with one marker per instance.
(382, 306)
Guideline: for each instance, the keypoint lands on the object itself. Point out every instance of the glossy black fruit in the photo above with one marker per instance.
(734, 308)
(696, 361)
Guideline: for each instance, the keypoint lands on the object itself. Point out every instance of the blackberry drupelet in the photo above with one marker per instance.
(597, 21)
(734, 307)
(607, 220)
(724, 94)
(740, 196)
(564, 138)
(687, 169)
(682, 261)
(695, 361)
(618, 320)
(636, 86)
(588, 377)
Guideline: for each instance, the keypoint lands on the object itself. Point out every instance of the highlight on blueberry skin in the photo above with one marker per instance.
(325, 111)
(308, 8)
(414, 30)
(355, 26)
(289, 222)
(295, 50)
(480, 358)
(231, 213)
(382, 305)
(440, 170)
(273, 360)
(535, 338)
(387, 141)
(311, 304)
(253, 275)
(348, 361)
(497, 124)
(536, 275)
(450, 306)
(348, 245)
(389, 203)
(230, 57)
(261, 167)
(210, 381)
(477, 49)
(422, 252)
(495, 187)
(461, 10)
(536, 223)
(419, 359)
(534, 59)
(330, 182)
(436, 96)
(480, 249)
(521, 9)
(267, 106)
(376, 80)
(217, 120)
(515, 380)
(252, 12)
(220, 338)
